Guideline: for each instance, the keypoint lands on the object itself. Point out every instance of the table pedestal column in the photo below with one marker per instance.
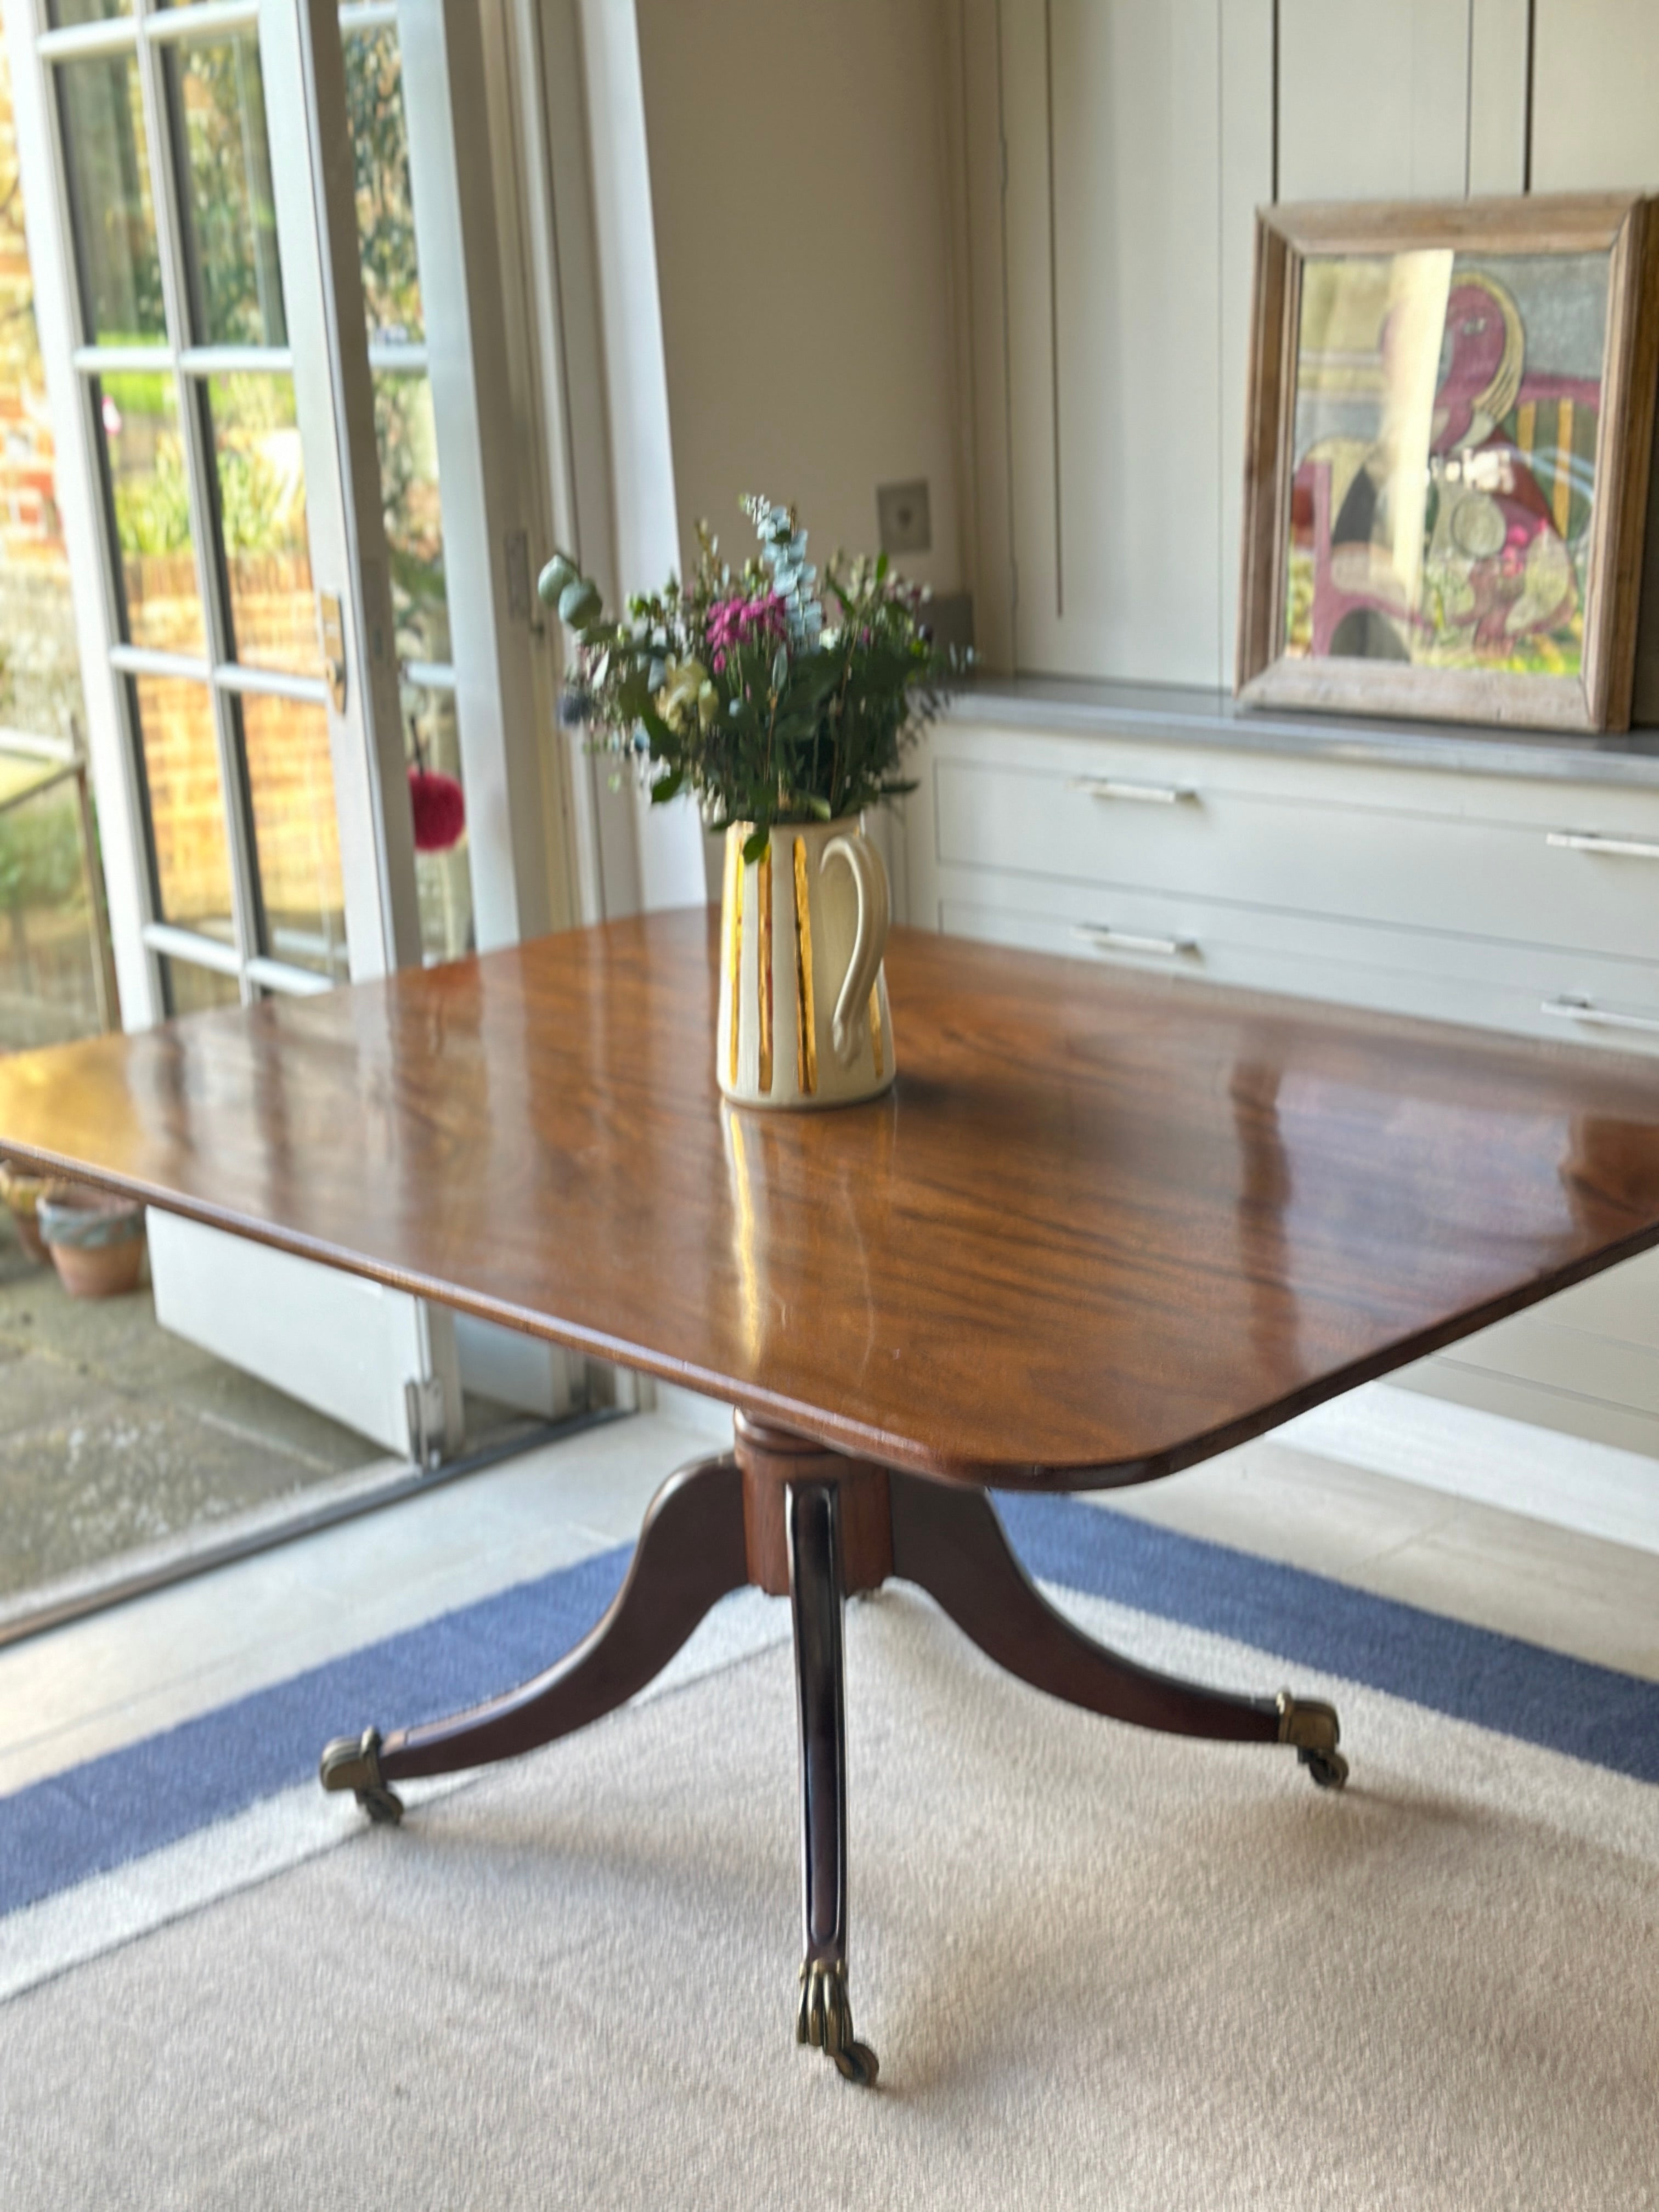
(818, 1528)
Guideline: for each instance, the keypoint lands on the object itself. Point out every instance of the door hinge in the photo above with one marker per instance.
(334, 652)
(424, 1405)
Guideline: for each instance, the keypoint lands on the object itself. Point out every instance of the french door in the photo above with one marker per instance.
(269, 476)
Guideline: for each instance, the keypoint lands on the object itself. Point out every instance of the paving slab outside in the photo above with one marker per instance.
(115, 1434)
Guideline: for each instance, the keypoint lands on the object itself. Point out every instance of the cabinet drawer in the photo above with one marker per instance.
(1560, 881)
(1489, 984)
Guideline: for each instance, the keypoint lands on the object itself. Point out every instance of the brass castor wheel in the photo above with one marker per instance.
(1314, 1729)
(1329, 1768)
(858, 2064)
(354, 1763)
(825, 2021)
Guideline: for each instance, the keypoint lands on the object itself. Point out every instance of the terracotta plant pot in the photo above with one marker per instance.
(97, 1243)
(22, 1194)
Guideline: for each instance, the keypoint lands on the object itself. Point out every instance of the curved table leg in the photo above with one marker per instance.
(951, 1541)
(690, 1553)
(825, 2016)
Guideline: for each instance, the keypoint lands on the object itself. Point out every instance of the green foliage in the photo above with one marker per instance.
(232, 215)
(254, 502)
(40, 859)
(152, 511)
(769, 700)
(135, 392)
(385, 211)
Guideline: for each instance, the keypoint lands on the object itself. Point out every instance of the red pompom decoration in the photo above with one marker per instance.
(439, 805)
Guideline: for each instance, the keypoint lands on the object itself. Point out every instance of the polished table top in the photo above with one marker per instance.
(1104, 1225)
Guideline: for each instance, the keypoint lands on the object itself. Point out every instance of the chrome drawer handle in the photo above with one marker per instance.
(1148, 794)
(1588, 840)
(1568, 1009)
(1125, 940)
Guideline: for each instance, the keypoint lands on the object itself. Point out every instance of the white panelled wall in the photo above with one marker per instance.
(1134, 160)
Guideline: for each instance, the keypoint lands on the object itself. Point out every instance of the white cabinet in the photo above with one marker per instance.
(1529, 904)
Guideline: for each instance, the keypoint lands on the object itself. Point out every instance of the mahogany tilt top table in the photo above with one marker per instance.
(1105, 1225)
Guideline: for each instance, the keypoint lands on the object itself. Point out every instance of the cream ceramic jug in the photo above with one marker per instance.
(803, 1013)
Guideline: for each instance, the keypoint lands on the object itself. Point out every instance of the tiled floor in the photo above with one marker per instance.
(71, 1694)
(1522, 1577)
(115, 1433)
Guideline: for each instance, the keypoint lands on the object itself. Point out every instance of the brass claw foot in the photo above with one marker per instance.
(354, 1763)
(1314, 1729)
(825, 2021)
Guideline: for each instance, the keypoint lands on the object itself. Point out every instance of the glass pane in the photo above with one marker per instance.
(385, 217)
(291, 784)
(230, 222)
(140, 419)
(261, 519)
(49, 952)
(64, 12)
(443, 871)
(187, 809)
(408, 443)
(39, 664)
(192, 990)
(1446, 412)
(107, 163)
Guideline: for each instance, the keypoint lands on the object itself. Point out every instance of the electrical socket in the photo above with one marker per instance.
(904, 521)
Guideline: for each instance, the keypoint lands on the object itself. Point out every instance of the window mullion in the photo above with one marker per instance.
(167, 187)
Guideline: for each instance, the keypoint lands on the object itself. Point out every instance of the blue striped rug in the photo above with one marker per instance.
(65, 1830)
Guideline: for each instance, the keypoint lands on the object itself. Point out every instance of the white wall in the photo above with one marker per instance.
(797, 180)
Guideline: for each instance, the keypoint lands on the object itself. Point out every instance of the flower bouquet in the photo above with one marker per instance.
(743, 689)
(784, 706)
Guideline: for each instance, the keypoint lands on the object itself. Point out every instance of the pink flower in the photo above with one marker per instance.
(439, 807)
(738, 622)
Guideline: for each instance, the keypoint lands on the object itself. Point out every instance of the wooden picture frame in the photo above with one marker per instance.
(1415, 576)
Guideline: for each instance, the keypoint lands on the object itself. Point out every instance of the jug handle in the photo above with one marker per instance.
(869, 943)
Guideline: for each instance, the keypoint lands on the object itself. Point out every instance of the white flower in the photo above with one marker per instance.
(684, 683)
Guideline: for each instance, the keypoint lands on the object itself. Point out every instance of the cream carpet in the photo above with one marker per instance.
(1100, 1968)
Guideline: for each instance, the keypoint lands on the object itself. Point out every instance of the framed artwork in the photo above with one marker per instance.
(1449, 420)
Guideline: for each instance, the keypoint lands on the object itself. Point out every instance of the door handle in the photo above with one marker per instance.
(1567, 1008)
(334, 656)
(1103, 938)
(1147, 794)
(1591, 841)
